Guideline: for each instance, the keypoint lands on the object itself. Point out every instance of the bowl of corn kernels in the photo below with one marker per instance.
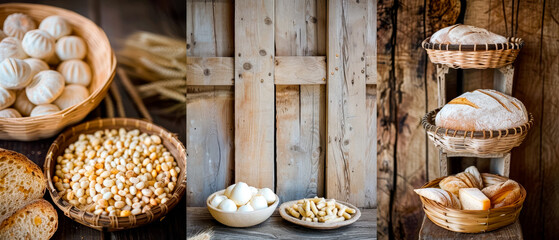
(116, 173)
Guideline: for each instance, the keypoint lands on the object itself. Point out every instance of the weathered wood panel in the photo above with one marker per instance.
(346, 104)
(209, 124)
(300, 110)
(550, 122)
(410, 167)
(254, 86)
(386, 116)
(298, 70)
(199, 219)
(209, 33)
(210, 71)
(371, 147)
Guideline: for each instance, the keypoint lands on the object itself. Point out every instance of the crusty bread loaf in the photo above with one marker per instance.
(441, 196)
(37, 220)
(477, 176)
(465, 34)
(21, 181)
(503, 194)
(462, 180)
(482, 109)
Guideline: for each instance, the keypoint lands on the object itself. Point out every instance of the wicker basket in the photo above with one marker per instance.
(472, 221)
(100, 57)
(476, 142)
(173, 145)
(477, 56)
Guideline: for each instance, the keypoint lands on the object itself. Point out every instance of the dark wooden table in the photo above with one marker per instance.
(199, 220)
(119, 19)
(430, 231)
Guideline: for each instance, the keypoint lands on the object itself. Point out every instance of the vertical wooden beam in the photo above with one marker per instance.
(300, 110)
(209, 110)
(254, 91)
(346, 109)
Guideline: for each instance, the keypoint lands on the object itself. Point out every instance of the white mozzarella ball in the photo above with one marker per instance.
(268, 194)
(258, 202)
(240, 194)
(246, 208)
(253, 190)
(217, 199)
(228, 205)
(228, 190)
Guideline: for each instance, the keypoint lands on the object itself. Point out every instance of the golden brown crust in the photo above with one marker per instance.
(452, 184)
(464, 101)
(503, 194)
(47, 212)
(30, 166)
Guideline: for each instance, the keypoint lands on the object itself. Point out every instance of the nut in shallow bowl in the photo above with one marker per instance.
(112, 223)
(240, 219)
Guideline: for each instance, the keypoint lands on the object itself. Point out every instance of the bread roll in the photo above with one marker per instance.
(22, 103)
(72, 95)
(44, 109)
(482, 109)
(11, 48)
(503, 194)
(38, 44)
(36, 65)
(462, 180)
(441, 196)
(70, 47)
(465, 34)
(17, 24)
(7, 97)
(475, 173)
(45, 87)
(56, 26)
(22, 182)
(14, 73)
(9, 113)
(37, 220)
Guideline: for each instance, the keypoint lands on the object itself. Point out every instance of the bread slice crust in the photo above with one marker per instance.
(37, 220)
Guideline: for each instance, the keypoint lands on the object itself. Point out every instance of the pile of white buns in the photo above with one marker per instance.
(41, 69)
(468, 191)
(240, 197)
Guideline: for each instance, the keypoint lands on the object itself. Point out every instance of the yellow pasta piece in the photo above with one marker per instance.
(313, 208)
(346, 215)
(333, 220)
(293, 212)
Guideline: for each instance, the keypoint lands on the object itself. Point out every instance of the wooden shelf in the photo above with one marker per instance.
(199, 219)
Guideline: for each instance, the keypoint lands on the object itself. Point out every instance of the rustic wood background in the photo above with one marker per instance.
(119, 19)
(407, 90)
(259, 107)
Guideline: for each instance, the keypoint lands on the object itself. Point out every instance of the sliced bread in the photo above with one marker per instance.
(37, 220)
(21, 181)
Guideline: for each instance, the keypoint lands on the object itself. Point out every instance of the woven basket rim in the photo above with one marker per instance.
(435, 182)
(93, 95)
(428, 123)
(512, 43)
(110, 123)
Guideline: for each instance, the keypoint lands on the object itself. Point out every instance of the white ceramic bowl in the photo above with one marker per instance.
(241, 219)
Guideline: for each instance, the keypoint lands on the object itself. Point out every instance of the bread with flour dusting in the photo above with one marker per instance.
(466, 34)
(482, 110)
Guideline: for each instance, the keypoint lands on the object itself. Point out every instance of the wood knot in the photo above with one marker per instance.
(247, 66)
(206, 72)
(262, 80)
(262, 52)
(187, 46)
(267, 20)
(313, 19)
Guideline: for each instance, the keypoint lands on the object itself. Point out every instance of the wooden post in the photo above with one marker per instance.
(346, 106)
(254, 88)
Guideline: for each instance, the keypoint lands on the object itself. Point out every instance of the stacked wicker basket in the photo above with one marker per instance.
(481, 144)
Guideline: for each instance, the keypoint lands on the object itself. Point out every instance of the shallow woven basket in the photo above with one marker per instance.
(476, 142)
(472, 221)
(112, 223)
(476, 56)
(100, 57)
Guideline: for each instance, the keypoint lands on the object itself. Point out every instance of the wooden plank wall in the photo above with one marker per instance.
(210, 122)
(296, 83)
(405, 159)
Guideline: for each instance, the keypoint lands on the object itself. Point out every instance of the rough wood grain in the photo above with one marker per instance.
(199, 219)
(210, 116)
(210, 119)
(371, 44)
(254, 86)
(430, 231)
(371, 147)
(550, 122)
(346, 104)
(299, 70)
(208, 71)
(386, 116)
(410, 168)
(300, 113)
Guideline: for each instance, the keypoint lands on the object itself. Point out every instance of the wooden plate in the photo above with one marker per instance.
(318, 225)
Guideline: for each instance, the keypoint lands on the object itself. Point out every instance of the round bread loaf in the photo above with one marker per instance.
(482, 109)
(466, 34)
